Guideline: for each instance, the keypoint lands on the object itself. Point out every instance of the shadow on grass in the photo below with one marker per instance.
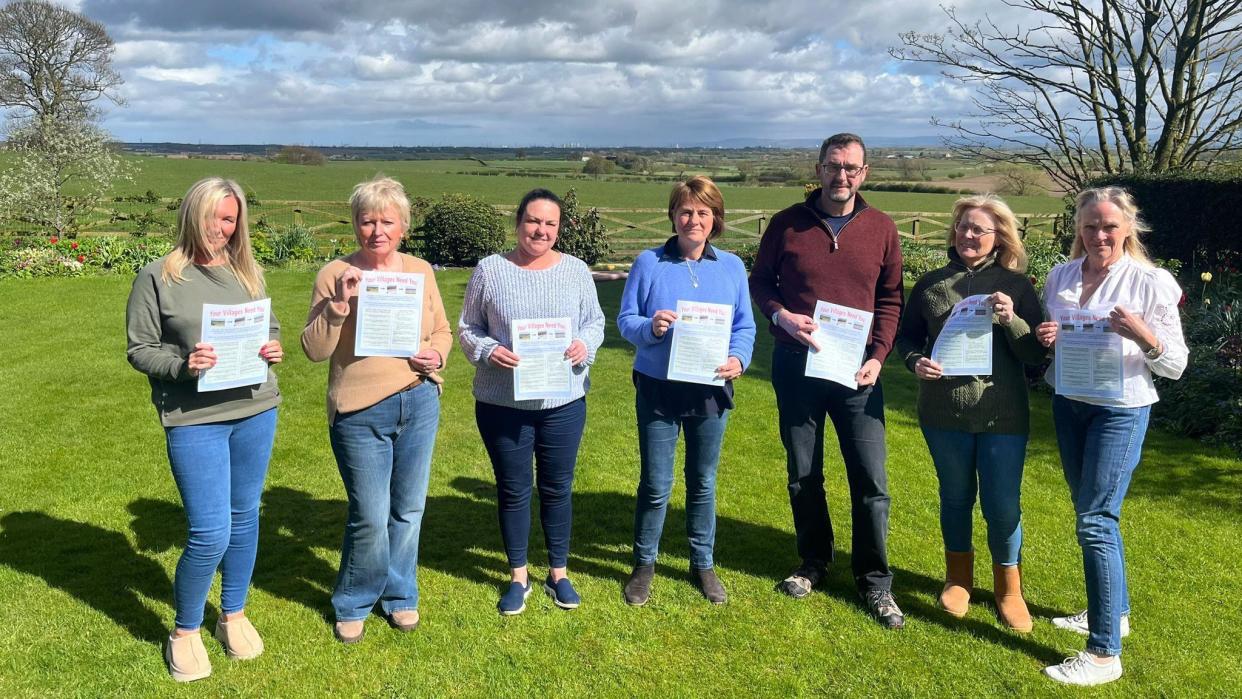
(95, 565)
(460, 539)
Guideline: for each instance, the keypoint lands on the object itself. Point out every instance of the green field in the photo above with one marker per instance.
(91, 528)
(432, 178)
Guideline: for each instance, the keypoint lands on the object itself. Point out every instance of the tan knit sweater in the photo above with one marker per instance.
(355, 382)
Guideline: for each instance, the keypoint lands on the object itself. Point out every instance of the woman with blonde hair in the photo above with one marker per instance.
(1101, 438)
(976, 427)
(383, 413)
(219, 442)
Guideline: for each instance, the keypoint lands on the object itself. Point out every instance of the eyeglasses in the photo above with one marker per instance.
(849, 170)
(970, 229)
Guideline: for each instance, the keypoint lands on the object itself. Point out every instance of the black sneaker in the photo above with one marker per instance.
(804, 578)
(638, 588)
(705, 579)
(884, 608)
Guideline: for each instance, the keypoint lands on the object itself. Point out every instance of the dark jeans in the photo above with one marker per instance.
(858, 417)
(512, 437)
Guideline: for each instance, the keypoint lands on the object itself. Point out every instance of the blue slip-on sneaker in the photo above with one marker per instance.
(513, 601)
(562, 593)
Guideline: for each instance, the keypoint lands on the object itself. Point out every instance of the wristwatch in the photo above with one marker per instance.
(1155, 351)
(776, 317)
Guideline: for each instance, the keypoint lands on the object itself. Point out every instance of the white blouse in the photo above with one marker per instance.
(1140, 288)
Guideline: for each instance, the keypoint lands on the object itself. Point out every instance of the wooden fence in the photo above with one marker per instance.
(629, 230)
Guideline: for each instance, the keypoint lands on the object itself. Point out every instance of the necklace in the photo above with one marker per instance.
(694, 278)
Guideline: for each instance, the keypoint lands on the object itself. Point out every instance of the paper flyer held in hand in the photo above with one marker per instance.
(700, 342)
(1088, 355)
(842, 336)
(236, 333)
(542, 370)
(964, 346)
(390, 314)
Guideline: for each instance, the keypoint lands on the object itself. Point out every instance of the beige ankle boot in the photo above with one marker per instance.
(240, 639)
(959, 579)
(187, 658)
(1010, 607)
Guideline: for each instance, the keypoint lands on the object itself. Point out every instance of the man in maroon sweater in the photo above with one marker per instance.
(835, 248)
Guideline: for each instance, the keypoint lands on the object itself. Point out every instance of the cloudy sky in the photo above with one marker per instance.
(468, 72)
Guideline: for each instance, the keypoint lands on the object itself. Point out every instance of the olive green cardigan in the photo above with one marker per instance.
(996, 403)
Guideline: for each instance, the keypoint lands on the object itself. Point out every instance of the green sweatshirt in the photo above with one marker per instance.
(996, 403)
(163, 323)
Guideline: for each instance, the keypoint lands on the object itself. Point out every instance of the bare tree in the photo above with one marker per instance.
(54, 63)
(1096, 86)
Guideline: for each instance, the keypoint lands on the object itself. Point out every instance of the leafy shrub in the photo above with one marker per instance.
(61, 257)
(28, 262)
(295, 244)
(919, 258)
(582, 234)
(459, 230)
(1206, 403)
(748, 252)
(1043, 253)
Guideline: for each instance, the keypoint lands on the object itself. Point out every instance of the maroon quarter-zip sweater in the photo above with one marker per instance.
(798, 265)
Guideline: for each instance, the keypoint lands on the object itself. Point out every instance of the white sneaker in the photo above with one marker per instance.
(1082, 671)
(1078, 623)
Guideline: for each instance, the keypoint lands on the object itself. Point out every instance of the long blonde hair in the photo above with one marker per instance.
(1123, 200)
(197, 210)
(1008, 248)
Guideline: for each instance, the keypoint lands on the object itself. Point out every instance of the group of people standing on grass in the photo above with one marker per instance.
(383, 412)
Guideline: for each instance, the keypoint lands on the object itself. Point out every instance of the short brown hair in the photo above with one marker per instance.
(842, 140)
(702, 190)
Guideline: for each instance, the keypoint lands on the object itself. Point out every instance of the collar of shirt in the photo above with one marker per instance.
(673, 252)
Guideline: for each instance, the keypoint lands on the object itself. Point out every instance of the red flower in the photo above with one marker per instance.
(81, 258)
(53, 240)
(1183, 300)
(73, 246)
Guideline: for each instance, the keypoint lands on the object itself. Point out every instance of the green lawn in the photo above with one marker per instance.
(91, 527)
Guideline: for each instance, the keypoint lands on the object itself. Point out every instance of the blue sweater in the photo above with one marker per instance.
(660, 278)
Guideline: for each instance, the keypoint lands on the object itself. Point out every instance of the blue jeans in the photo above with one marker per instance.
(551, 436)
(219, 469)
(657, 445)
(1100, 448)
(991, 465)
(384, 455)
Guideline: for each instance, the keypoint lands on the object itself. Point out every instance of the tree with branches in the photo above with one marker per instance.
(59, 172)
(55, 67)
(1095, 87)
(54, 63)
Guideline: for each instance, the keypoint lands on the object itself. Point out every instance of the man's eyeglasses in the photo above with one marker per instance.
(970, 229)
(849, 170)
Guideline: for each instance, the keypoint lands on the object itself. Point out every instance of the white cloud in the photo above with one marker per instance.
(643, 71)
(207, 75)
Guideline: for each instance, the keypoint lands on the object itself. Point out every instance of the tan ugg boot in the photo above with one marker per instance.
(1010, 607)
(187, 658)
(959, 578)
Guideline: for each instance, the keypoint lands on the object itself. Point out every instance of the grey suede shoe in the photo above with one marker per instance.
(705, 579)
(638, 588)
